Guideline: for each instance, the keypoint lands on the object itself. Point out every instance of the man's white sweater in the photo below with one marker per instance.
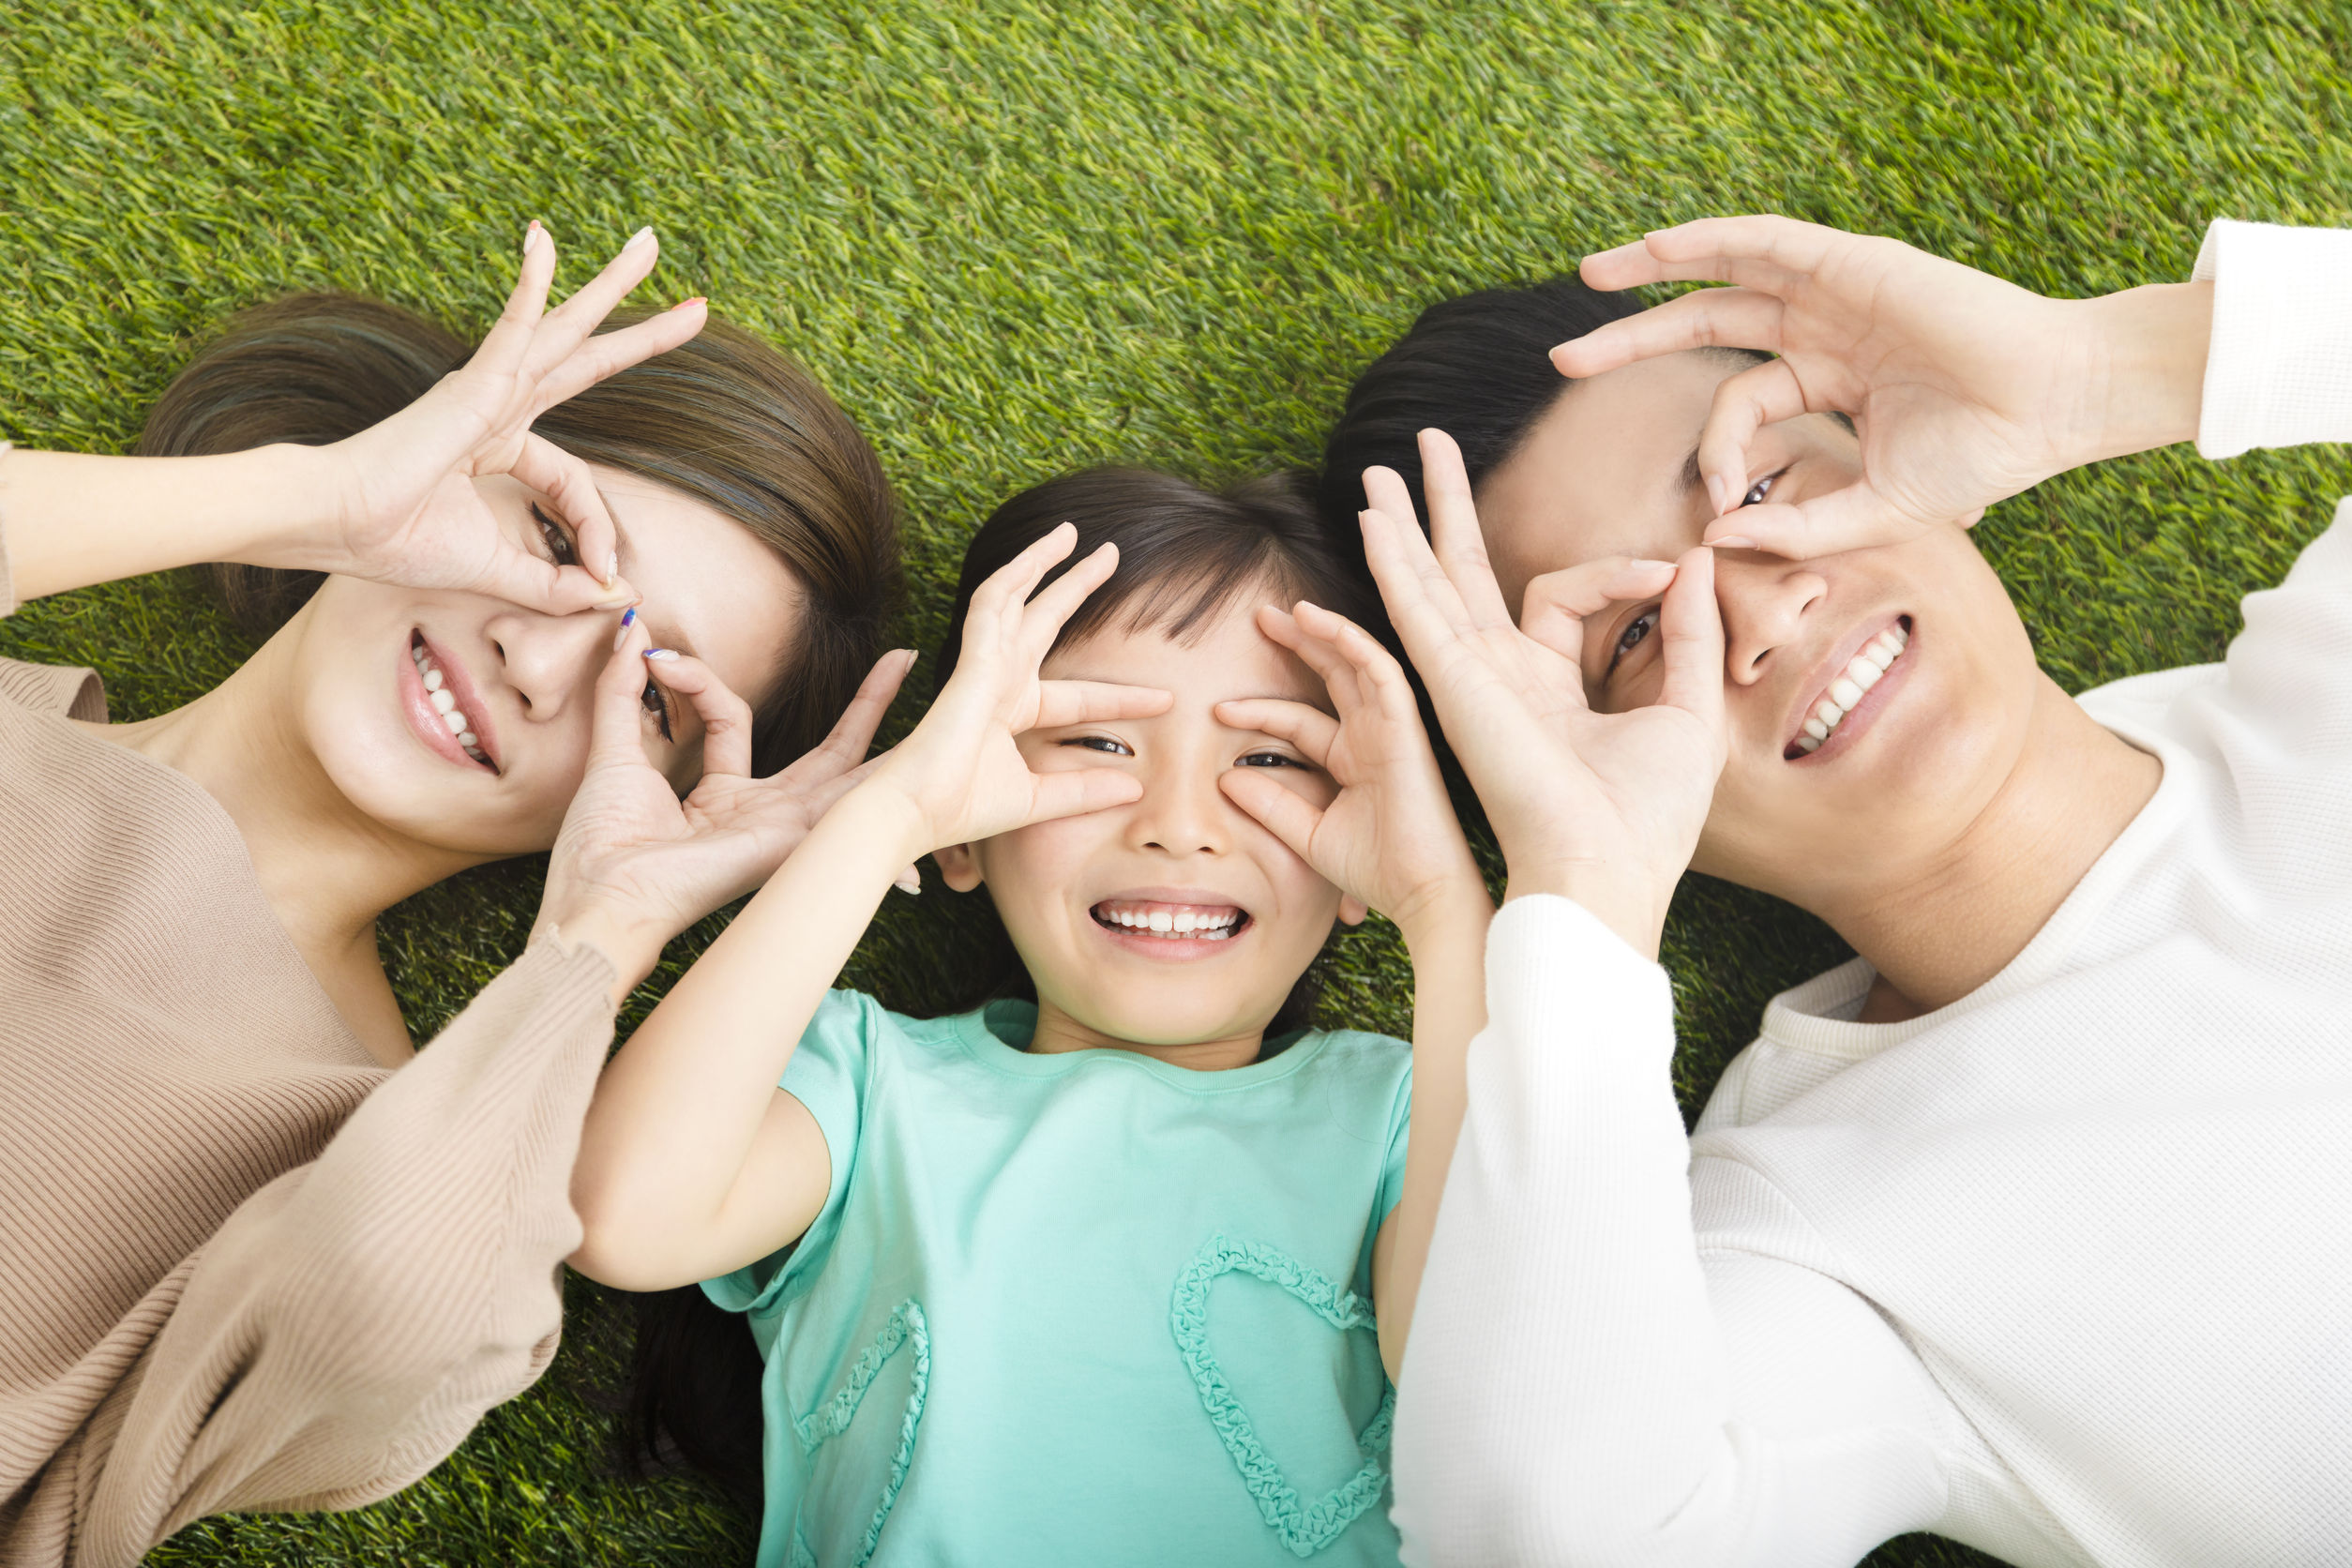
(2062, 1270)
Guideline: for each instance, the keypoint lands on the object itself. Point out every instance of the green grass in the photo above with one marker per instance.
(1015, 238)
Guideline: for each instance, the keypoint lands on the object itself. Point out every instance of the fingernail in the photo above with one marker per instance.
(628, 617)
(639, 237)
(689, 304)
(1731, 541)
(611, 567)
(661, 652)
(907, 880)
(1715, 494)
(532, 235)
(1652, 566)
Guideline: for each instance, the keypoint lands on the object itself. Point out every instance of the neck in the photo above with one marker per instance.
(326, 868)
(1056, 1031)
(1942, 924)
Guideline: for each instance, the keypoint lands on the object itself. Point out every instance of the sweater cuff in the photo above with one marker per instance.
(2279, 372)
(7, 577)
(1553, 969)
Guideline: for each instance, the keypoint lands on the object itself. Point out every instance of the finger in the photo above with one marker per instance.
(1060, 702)
(618, 715)
(1712, 247)
(846, 744)
(1744, 405)
(1009, 586)
(726, 717)
(1311, 730)
(1453, 535)
(1074, 795)
(1386, 488)
(1691, 630)
(1366, 674)
(1427, 615)
(1558, 603)
(1285, 813)
(1316, 650)
(570, 487)
(569, 323)
(608, 354)
(504, 351)
(1042, 618)
(1854, 518)
(1707, 318)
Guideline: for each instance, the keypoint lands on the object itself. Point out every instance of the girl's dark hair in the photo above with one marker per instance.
(1477, 368)
(1185, 555)
(724, 418)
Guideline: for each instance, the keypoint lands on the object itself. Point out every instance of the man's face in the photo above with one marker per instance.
(1928, 672)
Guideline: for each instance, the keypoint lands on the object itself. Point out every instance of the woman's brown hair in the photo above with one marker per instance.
(725, 419)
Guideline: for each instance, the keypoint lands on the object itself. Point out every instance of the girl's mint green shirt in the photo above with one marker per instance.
(1082, 1308)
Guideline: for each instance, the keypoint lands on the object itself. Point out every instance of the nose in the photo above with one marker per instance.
(551, 661)
(1764, 601)
(1183, 812)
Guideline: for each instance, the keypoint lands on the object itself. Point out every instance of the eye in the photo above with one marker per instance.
(657, 703)
(1637, 632)
(1758, 490)
(1268, 760)
(1100, 743)
(558, 544)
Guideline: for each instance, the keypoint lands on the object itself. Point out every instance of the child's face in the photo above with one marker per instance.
(1176, 920)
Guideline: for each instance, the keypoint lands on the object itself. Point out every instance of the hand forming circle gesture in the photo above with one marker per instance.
(1604, 809)
(406, 510)
(1965, 389)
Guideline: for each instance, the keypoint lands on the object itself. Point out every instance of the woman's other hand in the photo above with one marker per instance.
(406, 509)
(1964, 389)
(960, 773)
(1604, 809)
(1390, 838)
(635, 865)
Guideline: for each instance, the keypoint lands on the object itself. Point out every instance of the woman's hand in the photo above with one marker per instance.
(1604, 809)
(633, 864)
(1390, 838)
(961, 773)
(1965, 389)
(406, 509)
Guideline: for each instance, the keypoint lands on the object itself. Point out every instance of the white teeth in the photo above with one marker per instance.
(1862, 671)
(1163, 921)
(467, 739)
(441, 701)
(1809, 743)
(455, 723)
(433, 679)
(1845, 693)
(1816, 731)
(1183, 922)
(1829, 712)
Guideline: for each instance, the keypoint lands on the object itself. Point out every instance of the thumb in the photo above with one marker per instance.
(614, 721)
(1854, 518)
(1282, 812)
(1690, 628)
(1074, 795)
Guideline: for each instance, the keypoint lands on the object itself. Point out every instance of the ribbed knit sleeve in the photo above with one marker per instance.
(2280, 369)
(1568, 1396)
(352, 1320)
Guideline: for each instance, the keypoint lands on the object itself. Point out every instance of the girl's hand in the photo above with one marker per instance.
(961, 770)
(633, 864)
(1965, 389)
(1390, 838)
(405, 507)
(1604, 809)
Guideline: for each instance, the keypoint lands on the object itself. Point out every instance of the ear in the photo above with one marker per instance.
(958, 866)
(1352, 910)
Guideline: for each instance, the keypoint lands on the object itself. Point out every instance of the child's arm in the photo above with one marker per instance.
(1391, 839)
(693, 1163)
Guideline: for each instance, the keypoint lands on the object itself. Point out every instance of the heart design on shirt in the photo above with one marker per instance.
(1305, 1527)
(907, 1326)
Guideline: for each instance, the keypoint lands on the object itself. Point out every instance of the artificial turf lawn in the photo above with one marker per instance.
(1014, 239)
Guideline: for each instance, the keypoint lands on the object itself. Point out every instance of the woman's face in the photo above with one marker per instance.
(463, 721)
(1176, 919)
(1609, 470)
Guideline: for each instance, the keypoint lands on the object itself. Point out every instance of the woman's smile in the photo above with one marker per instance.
(1845, 703)
(443, 706)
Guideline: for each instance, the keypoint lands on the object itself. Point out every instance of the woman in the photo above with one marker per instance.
(2025, 1228)
(256, 1252)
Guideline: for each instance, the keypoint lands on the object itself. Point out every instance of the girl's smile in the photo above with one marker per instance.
(1171, 925)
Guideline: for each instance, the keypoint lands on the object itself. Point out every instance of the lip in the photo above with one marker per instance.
(1859, 718)
(425, 720)
(1160, 949)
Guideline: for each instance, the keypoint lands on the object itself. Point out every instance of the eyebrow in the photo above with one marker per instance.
(1691, 478)
(621, 547)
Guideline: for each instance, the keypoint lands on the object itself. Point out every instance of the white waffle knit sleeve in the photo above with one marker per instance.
(2280, 369)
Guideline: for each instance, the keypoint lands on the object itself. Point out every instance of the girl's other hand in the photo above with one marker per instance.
(405, 507)
(1390, 838)
(1964, 388)
(1604, 809)
(961, 770)
(633, 864)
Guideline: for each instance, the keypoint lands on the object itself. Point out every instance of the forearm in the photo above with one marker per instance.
(1449, 960)
(2146, 380)
(72, 519)
(678, 1110)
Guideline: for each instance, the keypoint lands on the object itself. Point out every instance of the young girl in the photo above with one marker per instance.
(1092, 1279)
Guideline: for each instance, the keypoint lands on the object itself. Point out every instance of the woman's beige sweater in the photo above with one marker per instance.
(241, 1266)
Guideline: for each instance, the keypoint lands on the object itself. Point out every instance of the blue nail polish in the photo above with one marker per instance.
(661, 652)
(628, 617)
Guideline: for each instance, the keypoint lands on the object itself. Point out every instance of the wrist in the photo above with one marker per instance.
(291, 510)
(1444, 916)
(631, 944)
(1629, 906)
(2150, 345)
(879, 814)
